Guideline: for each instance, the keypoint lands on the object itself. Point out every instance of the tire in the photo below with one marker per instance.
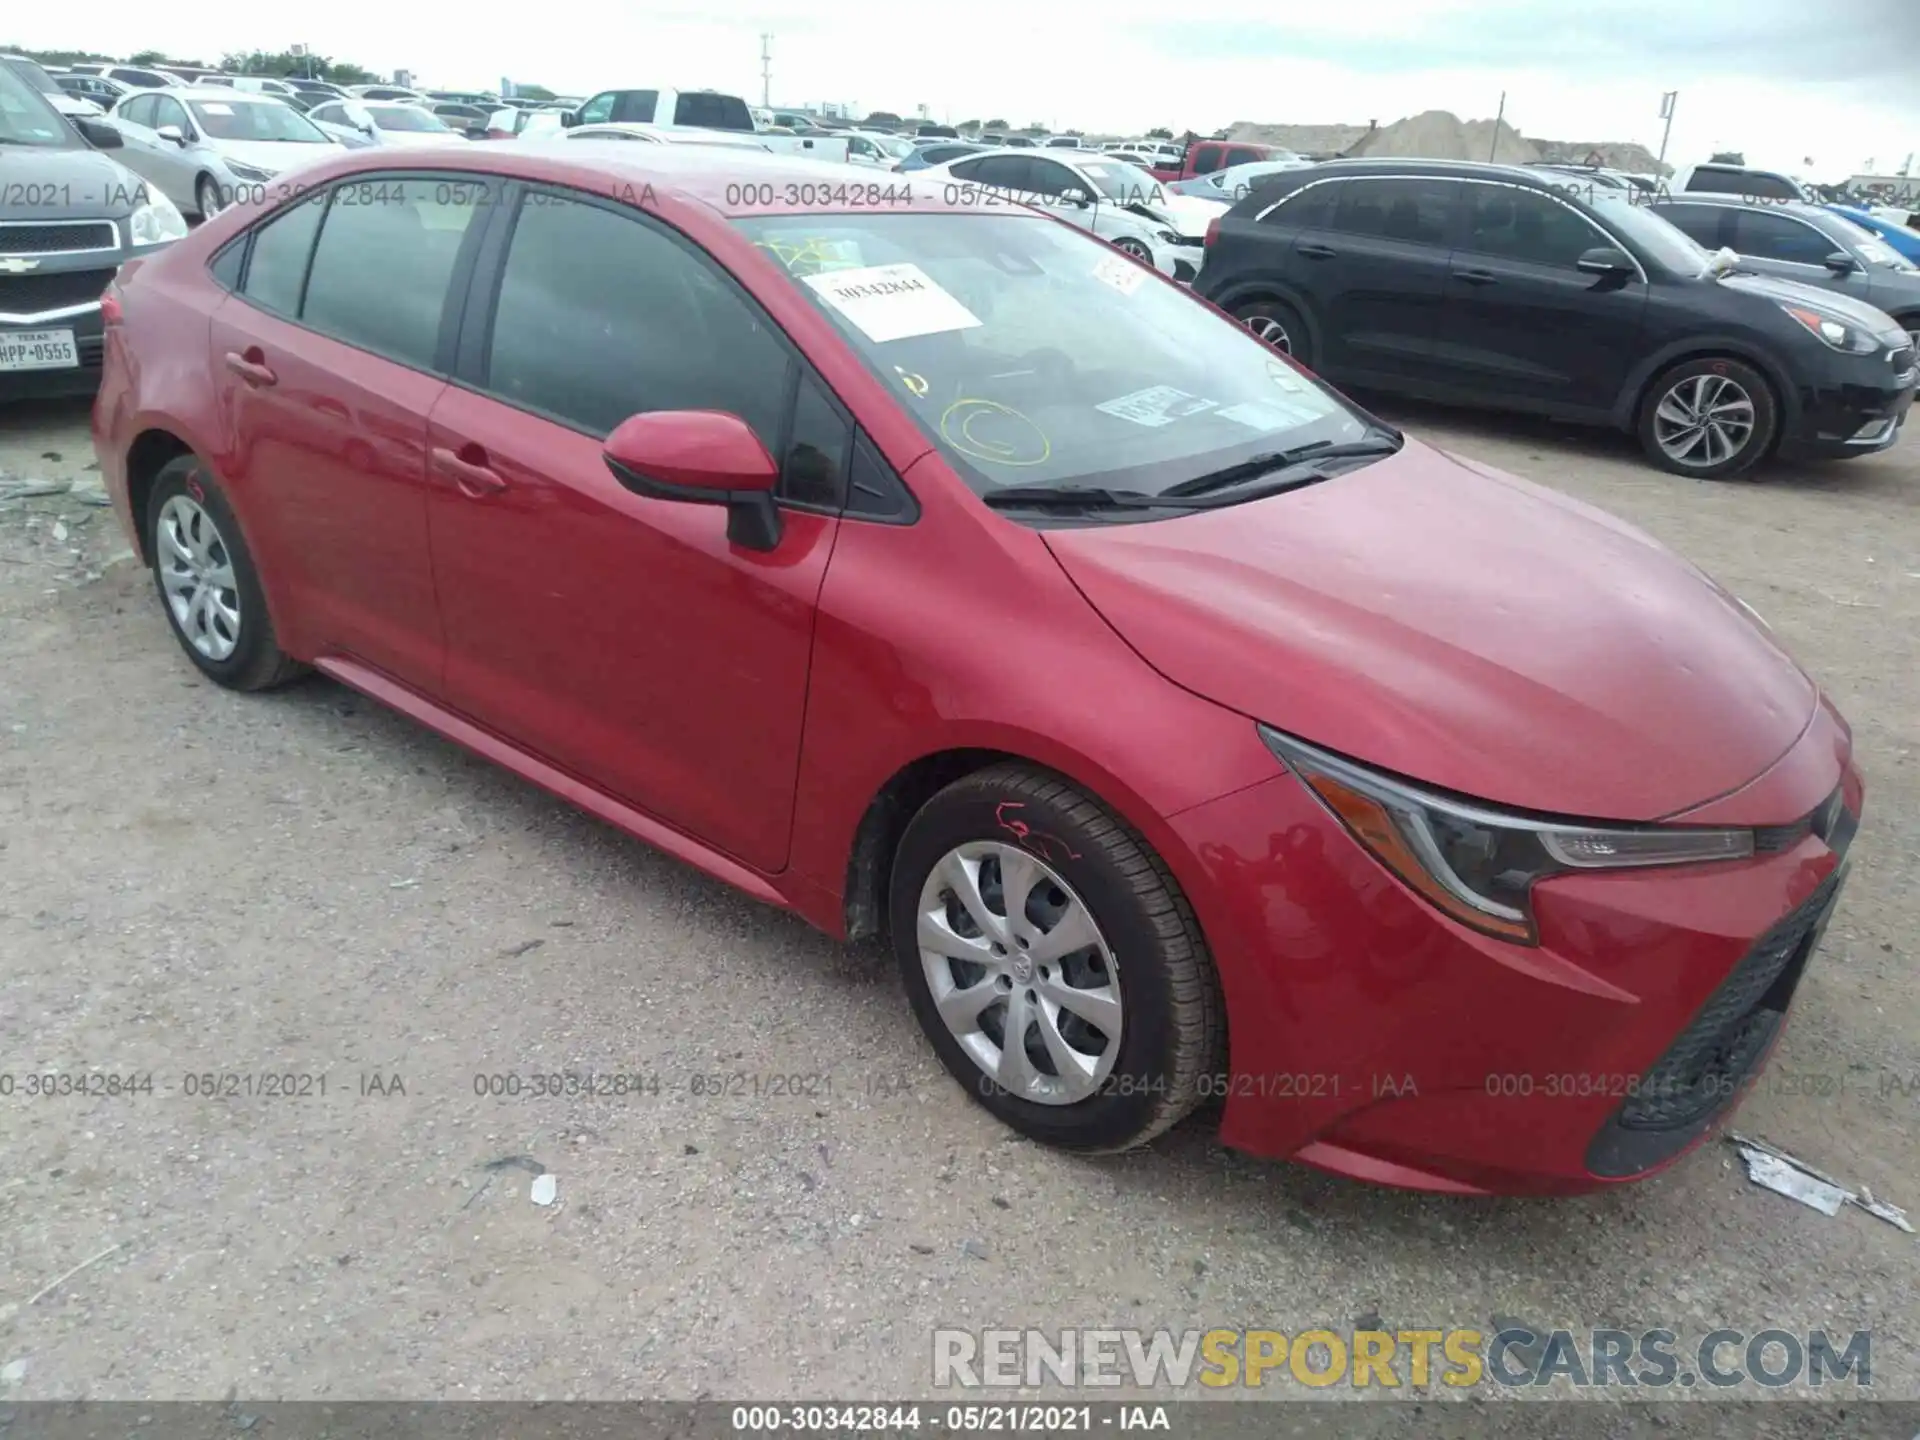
(1736, 392)
(1014, 824)
(195, 549)
(206, 197)
(1280, 325)
(1135, 249)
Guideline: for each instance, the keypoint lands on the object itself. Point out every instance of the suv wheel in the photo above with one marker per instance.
(1053, 963)
(1708, 418)
(1280, 325)
(207, 582)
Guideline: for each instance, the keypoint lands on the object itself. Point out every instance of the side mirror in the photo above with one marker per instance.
(569, 119)
(705, 456)
(173, 133)
(1842, 263)
(1605, 260)
(98, 133)
(1076, 196)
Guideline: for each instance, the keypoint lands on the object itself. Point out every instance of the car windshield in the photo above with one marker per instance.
(1122, 183)
(1032, 354)
(27, 119)
(35, 74)
(405, 117)
(255, 120)
(1672, 247)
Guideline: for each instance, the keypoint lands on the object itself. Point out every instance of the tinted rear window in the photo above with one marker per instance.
(714, 112)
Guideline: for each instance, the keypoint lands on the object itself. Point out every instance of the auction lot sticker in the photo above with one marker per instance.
(892, 302)
(1157, 405)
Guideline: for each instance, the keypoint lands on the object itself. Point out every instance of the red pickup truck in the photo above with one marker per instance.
(1203, 157)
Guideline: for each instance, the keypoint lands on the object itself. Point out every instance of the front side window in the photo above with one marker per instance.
(1699, 223)
(239, 119)
(168, 111)
(1778, 237)
(393, 307)
(1525, 225)
(598, 110)
(601, 316)
(1414, 211)
(1030, 354)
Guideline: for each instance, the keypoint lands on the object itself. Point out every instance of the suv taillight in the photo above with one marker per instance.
(1213, 231)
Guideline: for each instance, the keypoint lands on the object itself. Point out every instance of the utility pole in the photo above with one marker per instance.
(766, 71)
(1502, 115)
(1667, 107)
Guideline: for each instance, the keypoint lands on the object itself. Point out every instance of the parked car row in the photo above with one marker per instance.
(1402, 766)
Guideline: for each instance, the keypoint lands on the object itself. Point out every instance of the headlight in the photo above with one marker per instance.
(249, 172)
(1835, 332)
(155, 222)
(1168, 237)
(1479, 865)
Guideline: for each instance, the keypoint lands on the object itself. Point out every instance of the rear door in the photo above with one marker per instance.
(327, 365)
(623, 637)
(1523, 322)
(1375, 276)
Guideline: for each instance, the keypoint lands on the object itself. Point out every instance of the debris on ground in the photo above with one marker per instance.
(546, 1189)
(1774, 1169)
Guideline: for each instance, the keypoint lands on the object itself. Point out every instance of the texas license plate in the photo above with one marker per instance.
(38, 350)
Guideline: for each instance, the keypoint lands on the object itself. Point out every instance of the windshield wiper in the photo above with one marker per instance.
(1267, 464)
(1070, 497)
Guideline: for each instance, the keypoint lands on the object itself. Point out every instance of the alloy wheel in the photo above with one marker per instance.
(196, 572)
(1703, 421)
(1265, 327)
(1137, 249)
(1020, 972)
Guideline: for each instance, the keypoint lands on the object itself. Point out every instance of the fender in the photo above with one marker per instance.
(1734, 347)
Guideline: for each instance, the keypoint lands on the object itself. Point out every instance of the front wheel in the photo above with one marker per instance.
(1708, 418)
(1127, 245)
(206, 196)
(1053, 963)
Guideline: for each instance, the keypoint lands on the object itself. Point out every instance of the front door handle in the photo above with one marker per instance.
(251, 367)
(1476, 277)
(1316, 251)
(476, 481)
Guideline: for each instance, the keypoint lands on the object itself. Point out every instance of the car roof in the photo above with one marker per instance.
(721, 179)
(1805, 209)
(226, 94)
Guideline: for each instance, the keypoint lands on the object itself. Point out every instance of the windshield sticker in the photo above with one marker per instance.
(998, 434)
(1158, 405)
(1122, 274)
(1284, 377)
(214, 107)
(892, 302)
(1262, 415)
(916, 384)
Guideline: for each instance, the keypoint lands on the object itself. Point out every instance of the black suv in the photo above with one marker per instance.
(1494, 285)
(1808, 243)
(68, 218)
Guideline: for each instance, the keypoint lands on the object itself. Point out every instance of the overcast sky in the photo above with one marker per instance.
(1818, 86)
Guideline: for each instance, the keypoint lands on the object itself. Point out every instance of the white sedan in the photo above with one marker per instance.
(358, 124)
(654, 134)
(1232, 183)
(1115, 200)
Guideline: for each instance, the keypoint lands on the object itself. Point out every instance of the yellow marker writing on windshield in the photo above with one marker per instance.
(957, 426)
(915, 383)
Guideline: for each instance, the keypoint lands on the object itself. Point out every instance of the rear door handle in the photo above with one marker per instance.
(1476, 277)
(476, 481)
(1317, 251)
(251, 367)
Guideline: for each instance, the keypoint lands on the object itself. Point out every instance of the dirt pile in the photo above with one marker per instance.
(1440, 135)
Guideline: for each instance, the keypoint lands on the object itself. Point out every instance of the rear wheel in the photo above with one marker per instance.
(1280, 325)
(1127, 245)
(1708, 418)
(208, 585)
(1052, 962)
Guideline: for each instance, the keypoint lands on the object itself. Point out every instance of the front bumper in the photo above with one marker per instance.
(81, 379)
(1374, 1037)
(1853, 405)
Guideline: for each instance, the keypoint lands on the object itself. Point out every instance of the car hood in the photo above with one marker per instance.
(89, 185)
(275, 155)
(1792, 292)
(1187, 215)
(1460, 626)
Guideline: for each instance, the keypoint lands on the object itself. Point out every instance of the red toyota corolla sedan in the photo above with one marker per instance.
(916, 562)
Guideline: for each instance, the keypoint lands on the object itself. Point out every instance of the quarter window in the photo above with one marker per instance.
(386, 254)
(278, 265)
(1525, 225)
(1414, 211)
(815, 472)
(601, 316)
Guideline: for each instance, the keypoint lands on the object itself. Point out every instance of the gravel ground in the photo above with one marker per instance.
(305, 884)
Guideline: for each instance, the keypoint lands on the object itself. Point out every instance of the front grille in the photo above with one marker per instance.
(32, 294)
(48, 238)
